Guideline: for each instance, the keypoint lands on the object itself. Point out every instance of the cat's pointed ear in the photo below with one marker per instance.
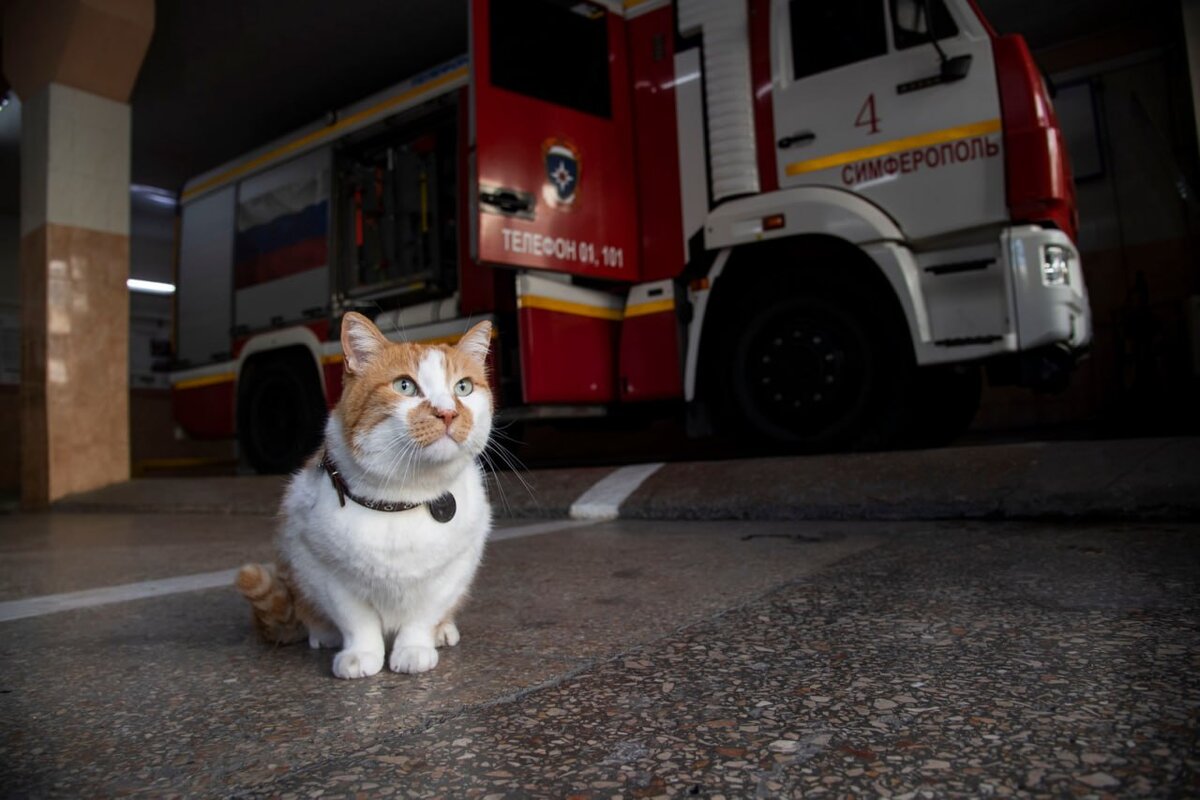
(361, 341)
(475, 342)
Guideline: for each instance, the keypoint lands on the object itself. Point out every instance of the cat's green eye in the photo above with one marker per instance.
(405, 386)
(464, 387)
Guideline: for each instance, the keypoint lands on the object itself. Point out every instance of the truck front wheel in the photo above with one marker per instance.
(813, 371)
(280, 413)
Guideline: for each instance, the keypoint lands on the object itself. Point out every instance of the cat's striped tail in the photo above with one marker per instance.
(272, 603)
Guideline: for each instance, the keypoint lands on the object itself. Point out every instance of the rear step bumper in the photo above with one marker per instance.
(1049, 302)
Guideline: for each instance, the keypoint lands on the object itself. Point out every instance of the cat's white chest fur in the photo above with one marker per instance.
(391, 561)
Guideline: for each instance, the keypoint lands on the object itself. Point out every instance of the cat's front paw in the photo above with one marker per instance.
(413, 658)
(446, 634)
(357, 663)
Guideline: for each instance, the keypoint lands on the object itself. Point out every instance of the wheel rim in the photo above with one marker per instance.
(803, 372)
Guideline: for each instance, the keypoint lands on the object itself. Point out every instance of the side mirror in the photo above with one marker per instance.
(955, 69)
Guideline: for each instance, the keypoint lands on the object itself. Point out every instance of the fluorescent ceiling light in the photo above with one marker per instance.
(150, 287)
(153, 194)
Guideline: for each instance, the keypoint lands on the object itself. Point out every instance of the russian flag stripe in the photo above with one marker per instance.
(283, 246)
(297, 257)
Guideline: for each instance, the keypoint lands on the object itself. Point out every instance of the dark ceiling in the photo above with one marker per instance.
(224, 76)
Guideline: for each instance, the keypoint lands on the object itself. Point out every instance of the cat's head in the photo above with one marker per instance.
(405, 404)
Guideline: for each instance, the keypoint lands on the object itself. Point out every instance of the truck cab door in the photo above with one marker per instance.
(859, 105)
(553, 138)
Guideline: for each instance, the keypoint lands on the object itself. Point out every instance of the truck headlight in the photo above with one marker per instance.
(1056, 265)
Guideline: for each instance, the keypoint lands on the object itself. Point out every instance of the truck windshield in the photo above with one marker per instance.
(552, 51)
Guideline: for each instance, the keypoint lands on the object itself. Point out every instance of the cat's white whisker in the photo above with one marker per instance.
(404, 447)
(515, 466)
(410, 457)
(399, 444)
(499, 486)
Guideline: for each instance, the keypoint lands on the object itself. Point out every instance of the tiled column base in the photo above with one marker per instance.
(75, 361)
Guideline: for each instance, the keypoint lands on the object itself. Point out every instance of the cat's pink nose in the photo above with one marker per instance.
(447, 415)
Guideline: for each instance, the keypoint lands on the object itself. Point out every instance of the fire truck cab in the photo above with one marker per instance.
(810, 223)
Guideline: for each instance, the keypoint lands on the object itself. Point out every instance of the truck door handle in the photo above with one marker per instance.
(507, 201)
(953, 69)
(803, 137)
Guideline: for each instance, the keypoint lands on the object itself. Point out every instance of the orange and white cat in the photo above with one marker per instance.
(384, 528)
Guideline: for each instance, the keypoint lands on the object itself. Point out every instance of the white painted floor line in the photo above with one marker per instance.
(53, 603)
(604, 499)
(88, 598)
(538, 528)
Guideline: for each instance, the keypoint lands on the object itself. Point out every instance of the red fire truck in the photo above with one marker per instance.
(809, 223)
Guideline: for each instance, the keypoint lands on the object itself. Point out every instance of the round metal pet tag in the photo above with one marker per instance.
(442, 508)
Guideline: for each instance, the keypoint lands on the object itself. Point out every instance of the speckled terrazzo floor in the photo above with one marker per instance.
(650, 659)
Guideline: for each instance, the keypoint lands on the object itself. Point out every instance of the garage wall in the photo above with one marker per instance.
(1128, 119)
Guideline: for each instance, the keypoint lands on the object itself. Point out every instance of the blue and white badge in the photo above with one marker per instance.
(562, 173)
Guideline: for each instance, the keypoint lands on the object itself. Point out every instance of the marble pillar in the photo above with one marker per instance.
(74, 302)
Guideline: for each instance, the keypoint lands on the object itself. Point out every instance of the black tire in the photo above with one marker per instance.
(945, 401)
(281, 414)
(816, 369)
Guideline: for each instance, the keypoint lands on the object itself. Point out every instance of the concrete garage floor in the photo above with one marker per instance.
(631, 659)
